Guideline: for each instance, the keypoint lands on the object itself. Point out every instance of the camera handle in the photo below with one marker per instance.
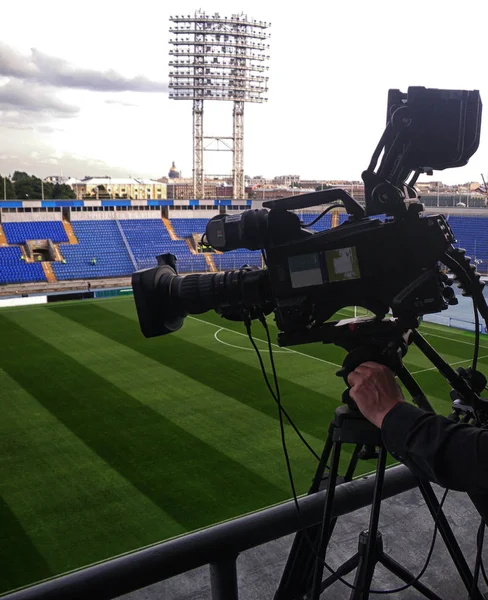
(390, 356)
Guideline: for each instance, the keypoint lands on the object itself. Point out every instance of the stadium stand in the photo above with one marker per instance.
(149, 237)
(235, 259)
(14, 270)
(99, 240)
(121, 246)
(471, 234)
(185, 227)
(18, 233)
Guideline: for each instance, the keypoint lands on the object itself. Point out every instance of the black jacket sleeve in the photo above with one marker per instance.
(451, 454)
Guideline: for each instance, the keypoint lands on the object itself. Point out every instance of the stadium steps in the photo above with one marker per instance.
(48, 272)
(169, 229)
(3, 239)
(57, 252)
(190, 246)
(69, 232)
(335, 218)
(210, 262)
(27, 259)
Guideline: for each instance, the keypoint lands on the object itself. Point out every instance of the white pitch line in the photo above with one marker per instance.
(216, 336)
(450, 364)
(452, 339)
(327, 362)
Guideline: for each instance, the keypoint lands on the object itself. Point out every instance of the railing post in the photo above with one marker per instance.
(223, 579)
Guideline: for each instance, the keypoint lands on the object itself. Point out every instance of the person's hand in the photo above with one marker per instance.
(374, 390)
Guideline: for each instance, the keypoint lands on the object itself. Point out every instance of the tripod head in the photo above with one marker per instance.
(384, 341)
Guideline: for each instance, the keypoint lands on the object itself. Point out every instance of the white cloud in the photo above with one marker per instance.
(48, 70)
(330, 70)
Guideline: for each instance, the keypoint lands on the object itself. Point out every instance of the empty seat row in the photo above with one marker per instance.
(14, 270)
(19, 233)
(101, 252)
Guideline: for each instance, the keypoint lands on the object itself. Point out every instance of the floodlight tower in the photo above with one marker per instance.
(218, 58)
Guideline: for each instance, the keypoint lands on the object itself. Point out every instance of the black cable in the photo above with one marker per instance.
(285, 451)
(275, 396)
(322, 214)
(485, 577)
(295, 499)
(476, 334)
(479, 558)
(427, 560)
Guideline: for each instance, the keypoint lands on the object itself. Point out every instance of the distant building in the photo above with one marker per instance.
(182, 189)
(173, 172)
(115, 187)
(286, 179)
(61, 179)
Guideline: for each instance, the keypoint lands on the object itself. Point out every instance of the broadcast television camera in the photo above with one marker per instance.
(391, 266)
(394, 266)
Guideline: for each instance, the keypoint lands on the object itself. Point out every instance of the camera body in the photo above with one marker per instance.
(382, 266)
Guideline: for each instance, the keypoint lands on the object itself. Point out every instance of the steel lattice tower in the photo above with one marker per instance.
(218, 58)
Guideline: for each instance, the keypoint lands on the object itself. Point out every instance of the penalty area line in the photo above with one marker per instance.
(327, 362)
(459, 362)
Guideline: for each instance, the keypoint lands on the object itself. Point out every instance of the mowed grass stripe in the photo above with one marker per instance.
(21, 562)
(74, 508)
(414, 359)
(304, 371)
(228, 425)
(161, 460)
(432, 382)
(318, 376)
(228, 376)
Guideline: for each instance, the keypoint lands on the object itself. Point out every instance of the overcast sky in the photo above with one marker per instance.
(83, 85)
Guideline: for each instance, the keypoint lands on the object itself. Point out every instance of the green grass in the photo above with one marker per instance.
(111, 442)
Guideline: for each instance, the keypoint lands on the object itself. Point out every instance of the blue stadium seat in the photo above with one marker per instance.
(472, 235)
(236, 259)
(148, 238)
(19, 233)
(14, 270)
(100, 240)
(185, 227)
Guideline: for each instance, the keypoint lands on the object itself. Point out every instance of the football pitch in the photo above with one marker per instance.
(111, 442)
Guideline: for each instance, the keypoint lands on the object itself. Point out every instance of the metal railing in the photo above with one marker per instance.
(217, 546)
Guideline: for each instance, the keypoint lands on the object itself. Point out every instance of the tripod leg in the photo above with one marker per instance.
(397, 569)
(319, 473)
(448, 537)
(324, 536)
(344, 569)
(368, 559)
(353, 463)
(299, 566)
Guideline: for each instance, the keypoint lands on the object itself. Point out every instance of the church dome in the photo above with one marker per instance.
(173, 172)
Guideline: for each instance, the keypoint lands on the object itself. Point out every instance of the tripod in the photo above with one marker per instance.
(302, 577)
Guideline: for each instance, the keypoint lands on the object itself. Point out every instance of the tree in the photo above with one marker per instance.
(61, 191)
(27, 186)
(23, 186)
(322, 186)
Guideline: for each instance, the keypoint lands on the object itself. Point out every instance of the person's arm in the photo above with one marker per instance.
(451, 454)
